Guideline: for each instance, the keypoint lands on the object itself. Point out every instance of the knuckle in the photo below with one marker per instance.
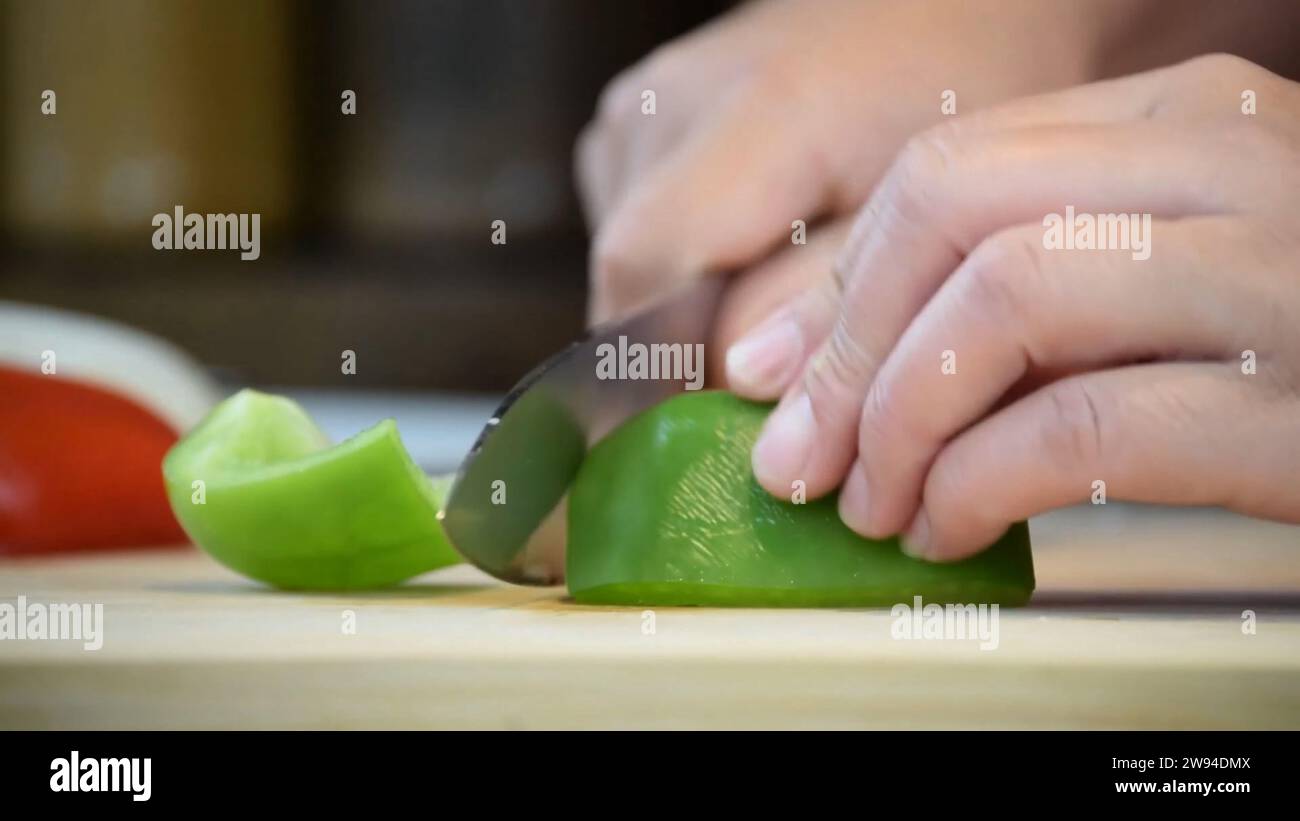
(1071, 434)
(1220, 66)
(838, 371)
(953, 490)
(878, 420)
(840, 275)
(846, 262)
(959, 498)
(660, 69)
(1206, 77)
(621, 97)
(612, 259)
(885, 426)
(999, 277)
(816, 307)
(621, 270)
(665, 65)
(916, 181)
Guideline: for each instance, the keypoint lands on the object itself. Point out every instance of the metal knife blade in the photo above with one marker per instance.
(505, 510)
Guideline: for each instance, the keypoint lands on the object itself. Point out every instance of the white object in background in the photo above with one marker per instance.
(142, 367)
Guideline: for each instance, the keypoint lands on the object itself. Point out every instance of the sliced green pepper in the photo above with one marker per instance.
(665, 511)
(258, 487)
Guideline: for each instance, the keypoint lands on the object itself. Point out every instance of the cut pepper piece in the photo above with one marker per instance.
(665, 511)
(258, 487)
(79, 468)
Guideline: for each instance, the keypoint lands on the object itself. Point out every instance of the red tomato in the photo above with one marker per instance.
(80, 467)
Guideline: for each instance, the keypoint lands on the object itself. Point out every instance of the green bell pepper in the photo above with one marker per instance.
(665, 511)
(258, 487)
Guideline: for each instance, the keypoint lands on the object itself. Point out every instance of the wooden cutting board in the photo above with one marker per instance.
(1137, 623)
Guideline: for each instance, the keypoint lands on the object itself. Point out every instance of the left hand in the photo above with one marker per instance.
(1064, 367)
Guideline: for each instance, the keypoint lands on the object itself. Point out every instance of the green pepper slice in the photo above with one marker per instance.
(258, 487)
(665, 511)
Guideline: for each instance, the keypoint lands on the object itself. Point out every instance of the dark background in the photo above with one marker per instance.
(375, 227)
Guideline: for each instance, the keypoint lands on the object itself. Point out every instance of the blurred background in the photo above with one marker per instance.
(375, 228)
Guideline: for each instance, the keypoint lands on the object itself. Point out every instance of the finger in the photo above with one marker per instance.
(775, 314)
(623, 142)
(1116, 100)
(617, 144)
(1013, 308)
(946, 193)
(1174, 433)
(716, 203)
(597, 166)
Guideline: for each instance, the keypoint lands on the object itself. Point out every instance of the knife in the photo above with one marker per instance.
(505, 512)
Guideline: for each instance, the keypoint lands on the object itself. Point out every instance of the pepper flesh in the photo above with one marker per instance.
(79, 468)
(280, 505)
(665, 511)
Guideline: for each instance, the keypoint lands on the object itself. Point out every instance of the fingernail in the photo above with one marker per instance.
(783, 447)
(763, 360)
(916, 542)
(855, 499)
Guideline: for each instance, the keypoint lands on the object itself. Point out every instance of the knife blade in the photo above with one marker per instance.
(505, 510)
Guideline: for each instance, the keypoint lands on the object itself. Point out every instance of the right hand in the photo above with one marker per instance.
(785, 110)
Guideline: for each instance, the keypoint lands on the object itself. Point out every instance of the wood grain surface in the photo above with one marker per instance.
(1137, 623)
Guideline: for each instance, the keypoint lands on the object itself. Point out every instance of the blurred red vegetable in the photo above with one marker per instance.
(79, 468)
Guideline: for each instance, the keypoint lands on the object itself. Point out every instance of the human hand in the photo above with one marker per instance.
(759, 120)
(969, 376)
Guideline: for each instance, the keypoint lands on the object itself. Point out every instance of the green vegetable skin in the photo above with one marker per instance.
(665, 511)
(282, 506)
